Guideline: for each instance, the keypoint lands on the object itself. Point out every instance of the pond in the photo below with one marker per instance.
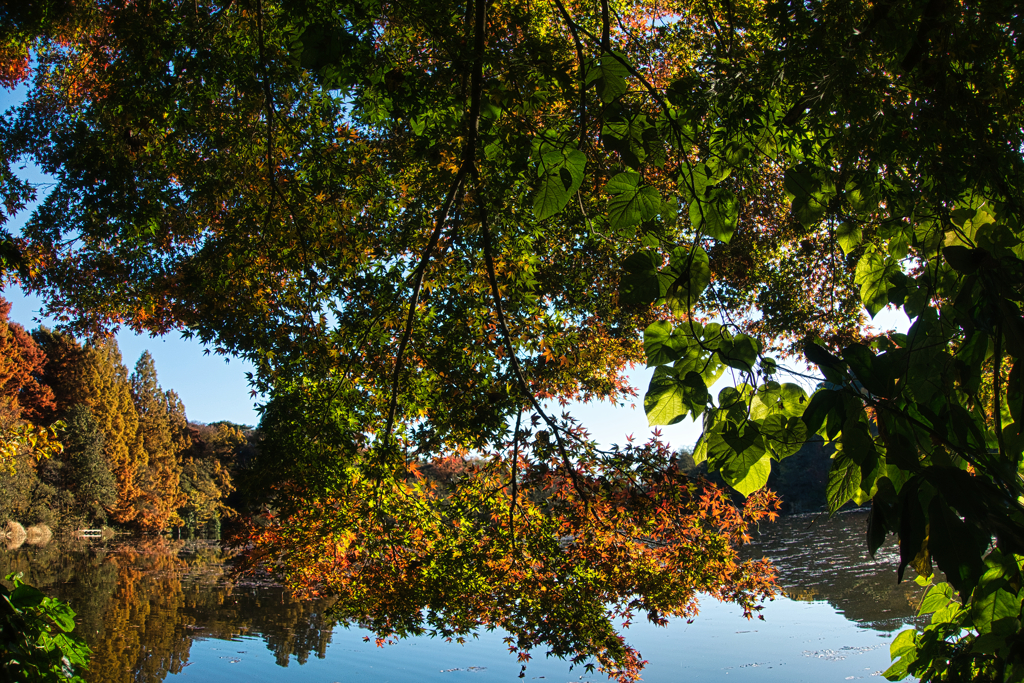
(165, 611)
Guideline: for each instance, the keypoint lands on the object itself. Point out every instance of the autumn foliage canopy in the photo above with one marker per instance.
(426, 223)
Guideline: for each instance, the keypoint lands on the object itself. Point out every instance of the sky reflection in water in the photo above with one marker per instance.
(151, 616)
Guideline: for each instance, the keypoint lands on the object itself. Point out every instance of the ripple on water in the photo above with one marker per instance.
(817, 560)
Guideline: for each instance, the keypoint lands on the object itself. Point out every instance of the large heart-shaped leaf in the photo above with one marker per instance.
(631, 202)
(561, 173)
(685, 278)
(673, 394)
(783, 435)
(639, 284)
(715, 214)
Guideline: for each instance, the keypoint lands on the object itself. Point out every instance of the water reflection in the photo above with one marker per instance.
(143, 606)
(818, 558)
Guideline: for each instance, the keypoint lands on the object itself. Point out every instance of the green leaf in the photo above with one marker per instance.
(996, 611)
(989, 644)
(822, 402)
(25, 596)
(897, 671)
(873, 275)
(716, 214)
(1012, 325)
(810, 194)
(832, 367)
(794, 400)
(61, 614)
(879, 518)
(609, 74)
(685, 278)
(772, 398)
(671, 397)
(843, 482)
(969, 219)
(639, 284)
(963, 259)
(749, 477)
(848, 235)
(955, 549)
(631, 138)
(696, 180)
(903, 643)
(858, 444)
(631, 203)
(660, 346)
(561, 173)
(913, 531)
(861, 195)
(862, 363)
(783, 435)
(742, 460)
(938, 597)
(740, 352)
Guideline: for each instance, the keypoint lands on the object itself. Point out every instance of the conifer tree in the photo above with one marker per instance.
(21, 361)
(22, 400)
(162, 429)
(108, 394)
(64, 370)
(89, 473)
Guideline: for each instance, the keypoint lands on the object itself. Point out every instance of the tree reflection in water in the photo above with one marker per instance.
(818, 558)
(142, 605)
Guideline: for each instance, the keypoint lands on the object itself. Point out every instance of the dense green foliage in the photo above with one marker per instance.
(910, 166)
(89, 472)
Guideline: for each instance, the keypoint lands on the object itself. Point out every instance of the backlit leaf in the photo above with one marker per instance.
(631, 202)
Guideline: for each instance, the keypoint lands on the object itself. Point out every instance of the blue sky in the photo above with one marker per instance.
(211, 387)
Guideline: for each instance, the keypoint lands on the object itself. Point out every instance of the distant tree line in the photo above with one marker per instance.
(84, 442)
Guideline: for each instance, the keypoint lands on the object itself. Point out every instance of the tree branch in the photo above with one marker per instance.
(421, 270)
(506, 336)
(572, 26)
(468, 164)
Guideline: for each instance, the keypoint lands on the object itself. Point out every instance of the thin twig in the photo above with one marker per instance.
(515, 480)
(507, 339)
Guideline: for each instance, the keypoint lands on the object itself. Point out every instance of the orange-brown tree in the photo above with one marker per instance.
(163, 429)
(23, 399)
(207, 465)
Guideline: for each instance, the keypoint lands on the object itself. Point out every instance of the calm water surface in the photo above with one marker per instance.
(151, 615)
